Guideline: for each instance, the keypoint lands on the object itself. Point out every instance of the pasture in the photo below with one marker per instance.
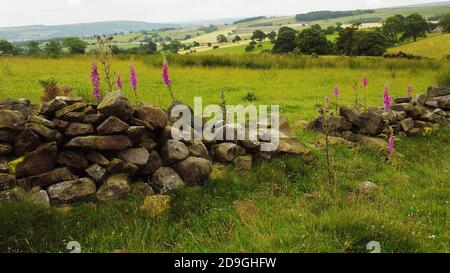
(280, 206)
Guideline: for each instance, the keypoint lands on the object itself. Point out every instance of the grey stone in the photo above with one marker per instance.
(41, 198)
(46, 133)
(7, 181)
(74, 159)
(154, 115)
(166, 179)
(198, 149)
(226, 152)
(48, 178)
(41, 160)
(435, 91)
(142, 188)
(407, 124)
(174, 151)
(101, 142)
(96, 172)
(12, 120)
(82, 189)
(194, 170)
(116, 187)
(52, 106)
(97, 158)
(114, 104)
(111, 126)
(41, 120)
(154, 163)
(136, 156)
(79, 106)
(79, 129)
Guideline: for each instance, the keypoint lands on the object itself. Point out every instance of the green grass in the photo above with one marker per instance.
(295, 209)
(434, 46)
(237, 50)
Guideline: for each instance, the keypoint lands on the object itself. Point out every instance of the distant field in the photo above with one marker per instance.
(436, 47)
(237, 50)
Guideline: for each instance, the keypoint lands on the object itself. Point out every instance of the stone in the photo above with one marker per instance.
(60, 124)
(338, 124)
(41, 160)
(50, 107)
(40, 120)
(154, 115)
(351, 115)
(422, 124)
(135, 133)
(101, 142)
(3, 165)
(243, 163)
(373, 143)
(46, 133)
(194, 170)
(366, 188)
(226, 152)
(443, 102)
(156, 205)
(111, 126)
(431, 104)
(407, 124)
(139, 122)
(79, 129)
(119, 166)
(73, 117)
(11, 195)
(8, 135)
(94, 119)
(74, 159)
(20, 105)
(371, 123)
(7, 181)
(67, 192)
(166, 179)
(14, 120)
(96, 172)
(349, 135)
(116, 187)
(47, 179)
(337, 141)
(420, 99)
(174, 151)
(41, 198)
(154, 163)
(5, 148)
(79, 106)
(97, 158)
(435, 91)
(250, 144)
(136, 156)
(89, 110)
(114, 104)
(406, 99)
(198, 149)
(416, 132)
(69, 100)
(407, 107)
(141, 188)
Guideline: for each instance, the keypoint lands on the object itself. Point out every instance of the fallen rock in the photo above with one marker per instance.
(407, 124)
(96, 172)
(116, 187)
(101, 142)
(141, 188)
(156, 204)
(74, 159)
(194, 170)
(41, 198)
(243, 163)
(174, 151)
(79, 129)
(373, 143)
(14, 120)
(7, 181)
(152, 114)
(41, 160)
(114, 104)
(5, 148)
(166, 179)
(226, 152)
(82, 189)
(136, 156)
(293, 146)
(366, 188)
(112, 125)
(47, 179)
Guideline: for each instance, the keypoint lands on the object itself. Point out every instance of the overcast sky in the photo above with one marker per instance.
(51, 12)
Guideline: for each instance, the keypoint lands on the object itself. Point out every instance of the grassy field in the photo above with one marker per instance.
(280, 206)
(435, 46)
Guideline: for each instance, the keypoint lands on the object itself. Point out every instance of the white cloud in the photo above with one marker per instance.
(72, 3)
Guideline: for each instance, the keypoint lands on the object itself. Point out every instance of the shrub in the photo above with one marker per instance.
(443, 79)
(250, 96)
(52, 90)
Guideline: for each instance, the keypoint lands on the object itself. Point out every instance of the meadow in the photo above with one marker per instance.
(284, 205)
(435, 47)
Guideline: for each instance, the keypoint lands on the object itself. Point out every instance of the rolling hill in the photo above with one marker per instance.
(435, 47)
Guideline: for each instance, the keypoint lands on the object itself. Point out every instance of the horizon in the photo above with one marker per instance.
(76, 10)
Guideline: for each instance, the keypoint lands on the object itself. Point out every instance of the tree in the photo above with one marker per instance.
(173, 47)
(258, 35)
(6, 48)
(393, 27)
(346, 42)
(445, 22)
(75, 45)
(237, 39)
(415, 26)
(313, 41)
(33, 48)
(272, 36)
(222, 39)
(371, 43)
(286, 40)
(151, 47)
(53, 48)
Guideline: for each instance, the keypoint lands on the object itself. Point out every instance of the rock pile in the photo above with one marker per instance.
(409, 116)
(69, 151)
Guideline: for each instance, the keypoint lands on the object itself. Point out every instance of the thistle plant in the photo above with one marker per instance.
(166, 78)
(95, 80)
(104, 53)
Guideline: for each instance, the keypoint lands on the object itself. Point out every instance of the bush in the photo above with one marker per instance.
(250, 96)
(52, 90)
(443, 79)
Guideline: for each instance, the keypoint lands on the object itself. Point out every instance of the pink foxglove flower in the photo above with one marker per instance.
(336, 91)
(95, 79)
(165, 74)
(391, 144)
(327, 102)
(119, 83)
(410, 89)
(365, 82)
(133, 78)
(387, 99)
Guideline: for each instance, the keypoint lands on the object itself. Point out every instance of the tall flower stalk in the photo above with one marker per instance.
(387, 99)
(95, 80)
(391, 144)
(326, 123)
(104, 52)
(134, 83)
(409, 89)
(336, 93)
(365, 87)
(166, 78)
(119, 84)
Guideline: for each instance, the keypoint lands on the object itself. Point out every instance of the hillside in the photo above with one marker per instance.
(435, 47)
